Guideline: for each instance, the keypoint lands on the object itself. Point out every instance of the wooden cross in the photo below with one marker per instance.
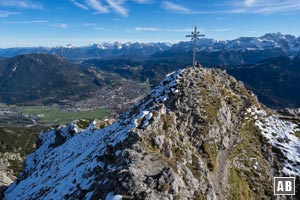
(194, 37)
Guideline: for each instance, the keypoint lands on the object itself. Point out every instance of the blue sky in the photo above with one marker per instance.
(84, 22)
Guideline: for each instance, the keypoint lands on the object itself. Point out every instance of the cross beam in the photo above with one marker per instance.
(194, 37)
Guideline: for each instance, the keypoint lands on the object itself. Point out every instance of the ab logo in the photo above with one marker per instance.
(284, 185)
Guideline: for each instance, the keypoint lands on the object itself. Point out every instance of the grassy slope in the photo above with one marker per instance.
(53, 115)
(18, 140)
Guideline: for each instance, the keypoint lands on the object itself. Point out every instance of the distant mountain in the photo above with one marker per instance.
(272, 42)
(276, 81)
(103, 50)
(230, 57)
(42, 78)
(287, 43)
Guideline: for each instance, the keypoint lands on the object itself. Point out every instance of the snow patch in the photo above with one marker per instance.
(281, 134)
(112, 196)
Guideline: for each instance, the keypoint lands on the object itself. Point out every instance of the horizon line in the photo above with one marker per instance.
(136, 41)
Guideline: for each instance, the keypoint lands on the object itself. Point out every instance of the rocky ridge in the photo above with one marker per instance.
(198, 135)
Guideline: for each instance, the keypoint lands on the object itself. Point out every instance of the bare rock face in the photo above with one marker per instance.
(198, 135)
(5, 180)
(290, 113)
(6, 173)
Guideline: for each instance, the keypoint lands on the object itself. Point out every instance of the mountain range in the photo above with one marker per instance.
(47, 79)
(200, 134)
(277, 42)
(274, 80)
(103, 50)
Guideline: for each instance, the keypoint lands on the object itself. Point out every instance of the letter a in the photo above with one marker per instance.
(280, 186)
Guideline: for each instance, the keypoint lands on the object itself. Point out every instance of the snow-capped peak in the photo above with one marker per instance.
(70, 46)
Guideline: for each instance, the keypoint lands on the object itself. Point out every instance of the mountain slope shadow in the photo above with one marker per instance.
(42, 78)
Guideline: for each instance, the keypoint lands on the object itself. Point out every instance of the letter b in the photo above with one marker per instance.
(288, 186)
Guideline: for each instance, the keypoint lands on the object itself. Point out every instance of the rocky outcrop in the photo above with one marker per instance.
(290, 113)
(198, 135)
(7, 172)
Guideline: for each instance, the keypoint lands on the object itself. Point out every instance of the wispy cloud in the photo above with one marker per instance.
(96, 5)
(107, 6)
(167, 5)
(21, 4)
(28, 22)
(278, 7)
(79, 5)
(143, 1)
(249, 2)
(164, 29)
(184, 30)
(101, 29)
(180, 30)
(239, 7)
(121, 7)
(118, 7)
(7, 13)
(267, 6)
(61, 25)
(89, 24)
(146, 29)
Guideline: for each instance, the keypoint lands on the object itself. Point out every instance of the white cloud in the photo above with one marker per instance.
(28, 22)
(89, 24)
(167, 5)
(101, 29)
(266, 6)
(146, 29)
(79, 5)
(229, 7)
(180, 30)
(240, 7)
(143, 1)
(20, 4)
(7, 13)
(118, 7)
(62, 25)
(96, 5)
(163, 29)
(279, 7)
(185, 30)
(249, 2)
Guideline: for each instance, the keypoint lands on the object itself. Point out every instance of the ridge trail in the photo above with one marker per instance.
(219, 177)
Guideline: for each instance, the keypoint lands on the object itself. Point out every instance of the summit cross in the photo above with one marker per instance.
(194, 37)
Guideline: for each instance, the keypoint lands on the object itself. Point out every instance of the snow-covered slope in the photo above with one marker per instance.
(281, 134)
(67, 158)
